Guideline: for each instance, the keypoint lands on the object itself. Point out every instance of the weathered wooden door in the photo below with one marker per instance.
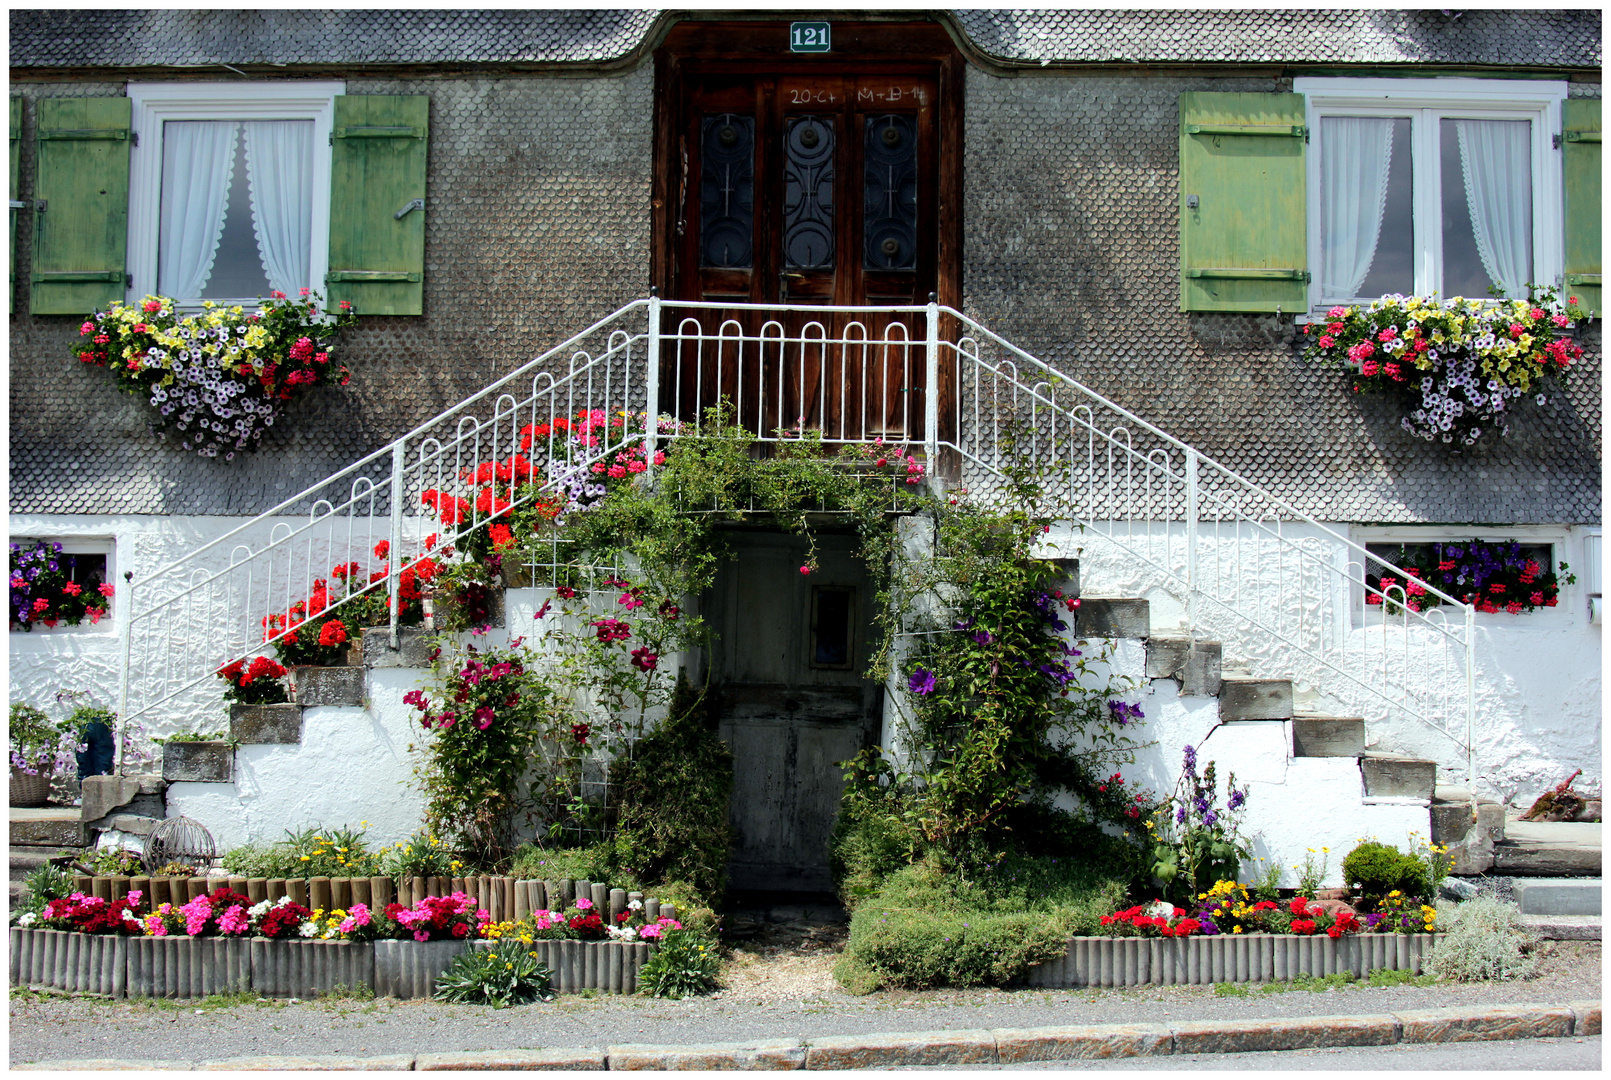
(803, 183)
(787, 668)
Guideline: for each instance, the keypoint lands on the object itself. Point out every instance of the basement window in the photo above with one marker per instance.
(55, 583)
(833, 640)
(1503, 575)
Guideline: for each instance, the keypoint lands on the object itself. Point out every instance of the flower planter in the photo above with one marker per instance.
(265, 723)
(28, 789)
(610, 967)
(1101, 961)
(184, 967)
(408, 969)
(298, 968)
(66, 960)
(209, 762)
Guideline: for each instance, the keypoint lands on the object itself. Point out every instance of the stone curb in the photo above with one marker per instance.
(999, 1046)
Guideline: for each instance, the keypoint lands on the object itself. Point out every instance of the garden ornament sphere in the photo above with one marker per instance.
(178, 839)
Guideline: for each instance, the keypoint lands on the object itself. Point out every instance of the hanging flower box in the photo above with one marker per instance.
(1459, 367)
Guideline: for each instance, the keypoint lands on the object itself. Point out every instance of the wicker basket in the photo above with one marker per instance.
(29, 790)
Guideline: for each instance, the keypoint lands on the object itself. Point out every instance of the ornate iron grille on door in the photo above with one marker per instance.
(890, 229)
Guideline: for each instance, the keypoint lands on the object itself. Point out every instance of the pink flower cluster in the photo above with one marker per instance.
(440, 917)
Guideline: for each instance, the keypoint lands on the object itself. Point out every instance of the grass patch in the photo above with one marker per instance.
(1231, 990)
(343, 992)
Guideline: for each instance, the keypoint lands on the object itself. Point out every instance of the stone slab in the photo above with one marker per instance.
(1193, 664)
(208, 762)
(1588, 1017)
(1476, 1025)
(770, 1054)
(1255, 699)
(578, 1060)
(46, 826)
(1565, 927)
(974, 1047)
(1391, 776)
(281, 724)
(1104, 617)
(1558, 897)
(414, 647)
(1451, 821)
(1545, 860)
(328, 685)
(1297, 1033)
(134, 824)
(100, 795)
(1327, 736)
(1082, 1042)
(311, 1063)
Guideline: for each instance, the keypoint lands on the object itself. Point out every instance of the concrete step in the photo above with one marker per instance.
(1396, 776)
(1549, 849)
(1566, 927)
(1255, 699)
(48, 826)
(1327, 736)
(1195, 665)
(1096, 617)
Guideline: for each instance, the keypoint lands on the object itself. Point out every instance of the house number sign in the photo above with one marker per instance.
(808, 37)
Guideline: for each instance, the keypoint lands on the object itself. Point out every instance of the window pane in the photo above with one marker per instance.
(1487, 206)
(208, 245)
(1366, 234)
(808, 176)
(726, 190)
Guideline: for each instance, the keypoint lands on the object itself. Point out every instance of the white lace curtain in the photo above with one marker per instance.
(1494, 158)
(198, 165)
(1353, 197)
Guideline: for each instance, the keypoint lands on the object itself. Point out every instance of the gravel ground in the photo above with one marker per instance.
(779, 984)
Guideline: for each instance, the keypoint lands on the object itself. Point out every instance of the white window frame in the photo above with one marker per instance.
(1425, 101)
(155, 103)
(1559, 537)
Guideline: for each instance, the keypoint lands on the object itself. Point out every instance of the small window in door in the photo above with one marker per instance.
(833, 643)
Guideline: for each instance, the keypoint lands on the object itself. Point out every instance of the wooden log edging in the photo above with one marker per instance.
(1231, 958)
(183, 967)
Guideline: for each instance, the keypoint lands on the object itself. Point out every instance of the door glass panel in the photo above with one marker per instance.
(727, 191)
(889, 229)
(832, 609)
(808, 204)
(1487, 206)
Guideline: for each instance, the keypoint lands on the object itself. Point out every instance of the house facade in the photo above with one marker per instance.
(1152, 204)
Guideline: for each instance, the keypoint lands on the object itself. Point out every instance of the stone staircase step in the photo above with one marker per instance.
(46, 826)
(328, 685)
(1255, 699)
(267, 723)
(1549, 849)
(1113, 617)
(414, 647)
(203, 761)
(1327, 736)
(1558, 896)
(1397, 776)
(1194, 664)
(26, 859)
(1566, 927)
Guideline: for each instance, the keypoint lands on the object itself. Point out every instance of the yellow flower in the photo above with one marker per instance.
(304, 858)
(1236, 930)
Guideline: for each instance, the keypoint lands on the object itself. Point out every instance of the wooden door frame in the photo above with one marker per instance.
(757, 47)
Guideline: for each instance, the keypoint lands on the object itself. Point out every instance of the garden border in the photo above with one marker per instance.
(1230, 958)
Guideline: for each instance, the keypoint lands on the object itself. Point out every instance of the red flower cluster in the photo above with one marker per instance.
(588, 926)
(95, 915)
(1173, 926)
(612, 630)
(282, 920)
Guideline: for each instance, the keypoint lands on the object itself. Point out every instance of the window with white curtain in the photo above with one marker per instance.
(229, 189)
(1432, 186)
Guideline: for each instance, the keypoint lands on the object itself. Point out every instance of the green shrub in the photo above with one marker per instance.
(45, 883)
(557, 864)
(421, 855)
(672, 820)
(262, 860)
(694, 911)
(1374, 870)
(685, 963)
(865, 849)
(310, 853)
(929, 926)
(508, 973)
(1483, 939)
(115, 861)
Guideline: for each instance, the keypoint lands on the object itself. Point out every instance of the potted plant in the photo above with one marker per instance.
(39, 747)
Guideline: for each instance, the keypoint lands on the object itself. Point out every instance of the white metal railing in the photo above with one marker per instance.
(1246, 566)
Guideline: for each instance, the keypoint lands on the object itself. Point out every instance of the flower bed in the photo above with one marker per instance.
(1105, 961)
(186, 967)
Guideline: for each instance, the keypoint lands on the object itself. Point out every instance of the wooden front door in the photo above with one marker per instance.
(808, 182)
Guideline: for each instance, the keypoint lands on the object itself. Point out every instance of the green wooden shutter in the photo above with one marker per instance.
(1243, 244)
(1580, 149)
(377, 172)
(16, 141)
(81, 204)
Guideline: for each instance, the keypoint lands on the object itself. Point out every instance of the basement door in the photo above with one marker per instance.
(787, 667)
(803, 185)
